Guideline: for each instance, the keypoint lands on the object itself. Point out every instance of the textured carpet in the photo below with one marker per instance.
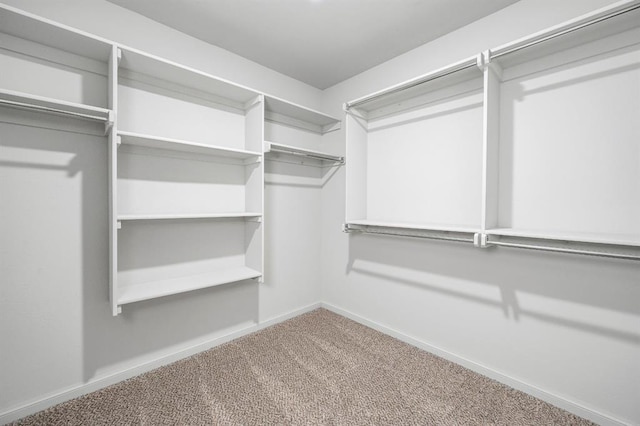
(318, 368)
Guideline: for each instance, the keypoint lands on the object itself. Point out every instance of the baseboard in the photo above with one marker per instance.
(558, 401)
(102, 382)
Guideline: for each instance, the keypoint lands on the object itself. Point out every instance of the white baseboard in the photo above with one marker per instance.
(102, 382)
(558, 401)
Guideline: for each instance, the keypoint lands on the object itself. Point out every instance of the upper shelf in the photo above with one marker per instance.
(398, 98)
(54, 106)
(290, 114)
(271, 147)
(222, 91)
(156, 142)
(614, 19)
(39, 30)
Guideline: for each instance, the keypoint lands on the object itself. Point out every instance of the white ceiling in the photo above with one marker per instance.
(319, 42)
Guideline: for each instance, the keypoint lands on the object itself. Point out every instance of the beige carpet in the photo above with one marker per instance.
(318, 368)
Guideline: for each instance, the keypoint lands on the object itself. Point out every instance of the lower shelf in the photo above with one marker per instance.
(583, 237)
(154, 289)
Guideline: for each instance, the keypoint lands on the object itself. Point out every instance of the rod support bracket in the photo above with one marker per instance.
(481, 240)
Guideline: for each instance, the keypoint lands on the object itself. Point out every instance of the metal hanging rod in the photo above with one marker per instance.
(41, 108)
(567, 30)
(347, 229)
(307, 154)
(411, 84)
(565, 250)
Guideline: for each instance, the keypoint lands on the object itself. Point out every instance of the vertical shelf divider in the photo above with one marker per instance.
(491, 145)
(113, 140)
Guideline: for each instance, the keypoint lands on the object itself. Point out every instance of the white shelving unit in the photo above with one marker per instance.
(412, 165)
(187, 179)
(559, 139)
(565, 140)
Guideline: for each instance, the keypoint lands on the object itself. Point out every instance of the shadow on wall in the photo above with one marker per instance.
(65, 307)
(473, 275)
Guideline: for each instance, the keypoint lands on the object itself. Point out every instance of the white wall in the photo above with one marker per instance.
(564, 327)
(56, 330)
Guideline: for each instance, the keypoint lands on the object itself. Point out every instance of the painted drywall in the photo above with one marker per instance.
(56, 329)
(565, 327)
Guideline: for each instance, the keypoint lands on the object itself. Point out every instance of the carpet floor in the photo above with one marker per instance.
(318, 368)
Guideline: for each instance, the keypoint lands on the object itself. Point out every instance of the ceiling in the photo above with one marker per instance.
(319, 42)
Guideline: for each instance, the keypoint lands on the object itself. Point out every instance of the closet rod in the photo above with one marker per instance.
(567, 30)
(22, 105)
(411, 84)
(348, 229)
(332, 158)
(564, 250)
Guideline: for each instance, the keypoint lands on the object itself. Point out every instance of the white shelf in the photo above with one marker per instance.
(39, 30)
(21, 100)
(272, 147)
(242, 215)
(157, 142)
(399, 97)
(584, 237)
(601, 23)
(416, 226)
(223, 91)
(151, 290)
(290, 114)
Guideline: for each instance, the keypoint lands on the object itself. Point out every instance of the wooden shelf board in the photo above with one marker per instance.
(40, 30)
(240, 215)
(584, 237)
(292, 150)
(418, 226)
(151, 290)
(279, 107)
(143, 63)
(157, 142)
(44, 104)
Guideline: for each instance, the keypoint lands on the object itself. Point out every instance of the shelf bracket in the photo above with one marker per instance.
(118, 55)
(108, 125)
(253, 102)
(255, 219)
(481, 240)
(119, 224)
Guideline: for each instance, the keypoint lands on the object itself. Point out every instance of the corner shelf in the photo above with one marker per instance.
(169, 144)
(44, 104)
(289, 114)
(325, 160)
(131, 293)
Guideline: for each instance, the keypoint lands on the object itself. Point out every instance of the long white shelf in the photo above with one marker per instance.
(396, 98)
(290, 114)
(27, 26)
(604, 22)
(151, 290)
(225, 91)
(139, 217)
(22, 100)
(272, 147)
(157, 142)
(583, 237)
(415, 226)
